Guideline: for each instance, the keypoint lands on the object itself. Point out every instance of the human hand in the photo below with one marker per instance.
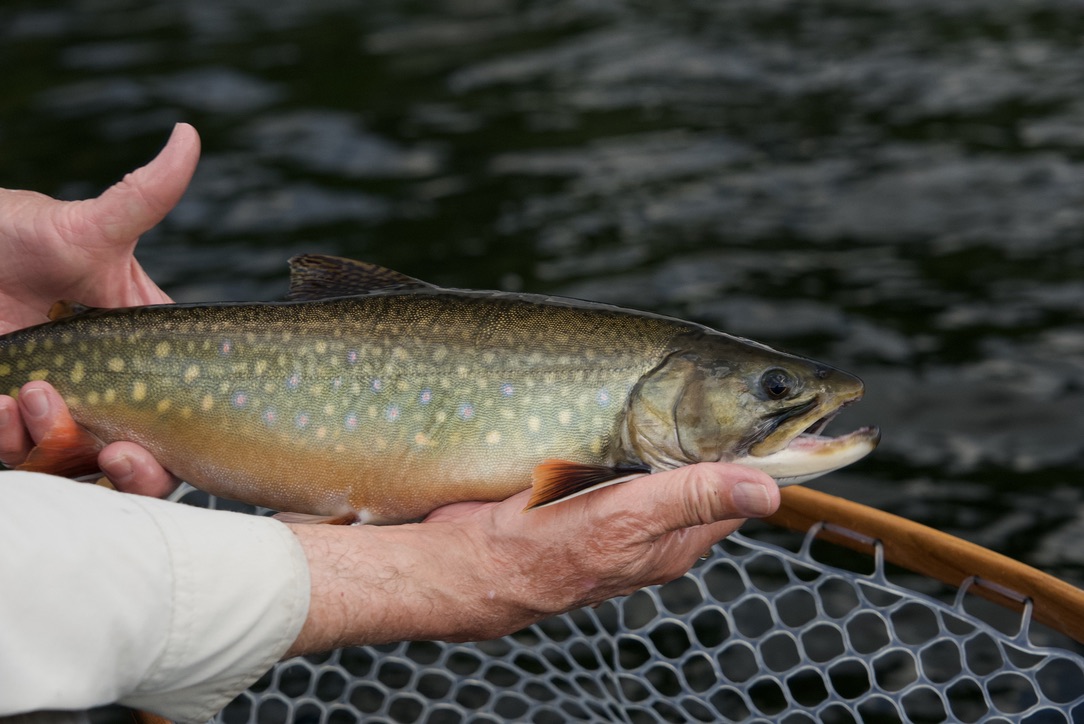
(39, 409)
(83, 250)
(475, 571)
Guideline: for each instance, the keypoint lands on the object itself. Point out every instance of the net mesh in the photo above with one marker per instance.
(756, 632)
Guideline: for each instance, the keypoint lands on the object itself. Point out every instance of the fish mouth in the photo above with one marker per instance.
(794, 450)
(810, 454)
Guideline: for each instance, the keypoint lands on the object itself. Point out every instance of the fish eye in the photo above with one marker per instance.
(776, 383)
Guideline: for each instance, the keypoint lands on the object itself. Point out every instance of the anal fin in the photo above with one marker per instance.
(68, 449)
(310, 519)
(554, 481)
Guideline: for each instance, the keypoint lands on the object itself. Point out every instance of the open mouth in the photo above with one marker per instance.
(811, 454)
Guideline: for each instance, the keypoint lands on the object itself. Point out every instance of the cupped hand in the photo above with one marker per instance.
(474, 571)
(83, 250)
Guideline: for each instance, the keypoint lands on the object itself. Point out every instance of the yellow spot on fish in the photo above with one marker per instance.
(596, 445)
(162, 406)
(31, 345)
(139, 391)
(261, 367)
(13, 392)
(329, 410)
(92, 398)
(5, 370)
(115, 364)
(321, 433)
(440, 353)
(493, 437)
(191, 373)
(71, 401)
(206, 403)
(109, 396)
(161, 349)
(78, 372)
(489, 358)
(534, 424)
(421, 440)
(58, 361)
(186, 412)
(441, 416)
(48, 344)
(564, 417)
(381, 444)
(462, 370)
(321, 347)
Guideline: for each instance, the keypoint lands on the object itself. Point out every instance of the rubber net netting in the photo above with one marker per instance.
(756, 632)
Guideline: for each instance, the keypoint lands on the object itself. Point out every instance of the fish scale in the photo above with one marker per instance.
(375, 395)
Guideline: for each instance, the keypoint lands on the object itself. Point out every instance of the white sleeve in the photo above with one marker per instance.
(106, 597)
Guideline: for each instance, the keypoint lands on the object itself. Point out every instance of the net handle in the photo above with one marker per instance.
(930, 552)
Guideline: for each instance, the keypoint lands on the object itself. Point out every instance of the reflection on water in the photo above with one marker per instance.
(897, 189)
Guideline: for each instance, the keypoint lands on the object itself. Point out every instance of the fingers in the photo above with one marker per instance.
(143, 198)
(15, 443)
(132, 469)
(40, 409)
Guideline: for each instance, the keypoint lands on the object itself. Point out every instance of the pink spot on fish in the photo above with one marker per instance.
(226, 347)
(351, 422)
(302, 420)
(353, 356)
(270, 416)
(293, 381)
(507, 390)
(239, 399)
(392, 413)
(376, 385)
(426, 396)
(466, 411)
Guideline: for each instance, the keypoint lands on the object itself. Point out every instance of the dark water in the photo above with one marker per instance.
(896, 188)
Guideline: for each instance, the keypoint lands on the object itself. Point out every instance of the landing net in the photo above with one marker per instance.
(756, 632)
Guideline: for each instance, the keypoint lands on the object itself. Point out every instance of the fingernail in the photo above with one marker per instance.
(752, 499)
(119, 468)
(36, 402)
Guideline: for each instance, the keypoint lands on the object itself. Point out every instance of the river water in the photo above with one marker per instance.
(894, 188)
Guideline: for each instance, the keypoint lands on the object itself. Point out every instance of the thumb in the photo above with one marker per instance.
(143, 197)
(702, 494)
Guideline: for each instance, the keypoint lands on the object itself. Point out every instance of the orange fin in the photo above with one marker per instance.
(309, 519)
(68, 449)
(66, 308)
(556, 480)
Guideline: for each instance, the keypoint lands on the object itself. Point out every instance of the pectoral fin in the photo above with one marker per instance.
(554, 481)
(68, 449)
(308, 519)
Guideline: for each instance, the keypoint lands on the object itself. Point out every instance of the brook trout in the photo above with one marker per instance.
(371, 396)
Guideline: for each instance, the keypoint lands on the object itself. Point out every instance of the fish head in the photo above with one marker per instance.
(722, 398)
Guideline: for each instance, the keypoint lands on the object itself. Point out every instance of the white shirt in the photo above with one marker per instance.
(107, 597)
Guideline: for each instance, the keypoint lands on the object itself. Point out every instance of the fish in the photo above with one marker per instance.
(369, 396)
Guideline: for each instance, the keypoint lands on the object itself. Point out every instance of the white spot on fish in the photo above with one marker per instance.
(493, 437)
(534, 424)
(564, 417)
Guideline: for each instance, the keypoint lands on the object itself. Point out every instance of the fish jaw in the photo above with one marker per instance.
(810, 456)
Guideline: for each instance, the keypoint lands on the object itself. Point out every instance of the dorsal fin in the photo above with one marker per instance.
(319, 276)
(66, 308)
